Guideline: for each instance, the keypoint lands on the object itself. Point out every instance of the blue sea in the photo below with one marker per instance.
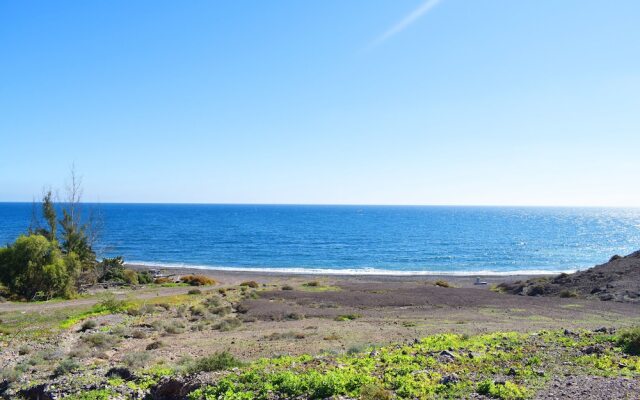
(355, 239)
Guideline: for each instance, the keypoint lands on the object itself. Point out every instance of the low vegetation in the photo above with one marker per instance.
(197, 280)
(347, 317)
(216, 362)
(499, 365)
(630, 341)
(442, 283)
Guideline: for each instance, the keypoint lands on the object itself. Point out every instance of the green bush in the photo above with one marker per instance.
(506, 391)
(174, 327)
(66, 366)
(219, 361)
(228, 324)
(112, 269)
(347, 317)
(374, 391)
(130, 276)
(110, 303)
(35, 268)
(99, 340)
(144, 278)
(251, 284)
(630, 341)
(136, 360)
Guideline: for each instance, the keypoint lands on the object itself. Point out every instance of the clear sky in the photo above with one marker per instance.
(532, 102)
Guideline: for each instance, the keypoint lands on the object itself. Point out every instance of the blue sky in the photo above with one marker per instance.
(331, 101)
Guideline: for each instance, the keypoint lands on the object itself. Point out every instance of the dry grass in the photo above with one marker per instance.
(197, 280)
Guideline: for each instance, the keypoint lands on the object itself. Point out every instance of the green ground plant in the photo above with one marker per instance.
(629, 339)
(439, 366)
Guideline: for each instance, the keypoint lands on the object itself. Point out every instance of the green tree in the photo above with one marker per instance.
(34, 267)
(49, 214)
(49, 211)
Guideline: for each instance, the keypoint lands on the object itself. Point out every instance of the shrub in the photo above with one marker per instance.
(147, 309)
(112, 269)
(287, 287)
(10, 374)
(197, 310)
(66, 366)
(374, 391)
(88, 324)
(332, 336)
(251, 284)
(144, 277)
(357, 348)
(568, 293)
(155, 345)
(228, 324)
(130, 276)
(80, 351)
(197, 280)
(136, 360)
(99, 340)
(34, 267)
(213, 301)
(218, 361)
(24, 350)
(442, 283)
(535, 290)
(242, 308)
(312, 284)
(194, 291)
(174, 327)
(221, 310)
(506, 391)
(294, 316)
(162, 280)
(111, 304)
(347, 317)
(138, 334)
(629, 340)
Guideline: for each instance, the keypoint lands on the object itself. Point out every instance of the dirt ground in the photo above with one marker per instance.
(276, 315)
(346, 312)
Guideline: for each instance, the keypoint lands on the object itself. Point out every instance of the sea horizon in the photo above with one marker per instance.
(402, 240)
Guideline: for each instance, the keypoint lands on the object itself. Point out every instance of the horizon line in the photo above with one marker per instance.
(337, 204)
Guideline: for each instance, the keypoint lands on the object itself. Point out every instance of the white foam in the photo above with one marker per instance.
(352, 271)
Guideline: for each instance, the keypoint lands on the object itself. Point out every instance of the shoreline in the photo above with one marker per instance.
(235, 275)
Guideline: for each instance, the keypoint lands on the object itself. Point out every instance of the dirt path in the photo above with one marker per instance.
(146, 293)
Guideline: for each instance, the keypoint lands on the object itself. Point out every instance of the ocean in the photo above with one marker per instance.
(356, 239)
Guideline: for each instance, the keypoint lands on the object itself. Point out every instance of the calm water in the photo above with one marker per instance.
(357, 238)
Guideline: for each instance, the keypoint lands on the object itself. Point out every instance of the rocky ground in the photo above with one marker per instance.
(617, 280)
(145, 342)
